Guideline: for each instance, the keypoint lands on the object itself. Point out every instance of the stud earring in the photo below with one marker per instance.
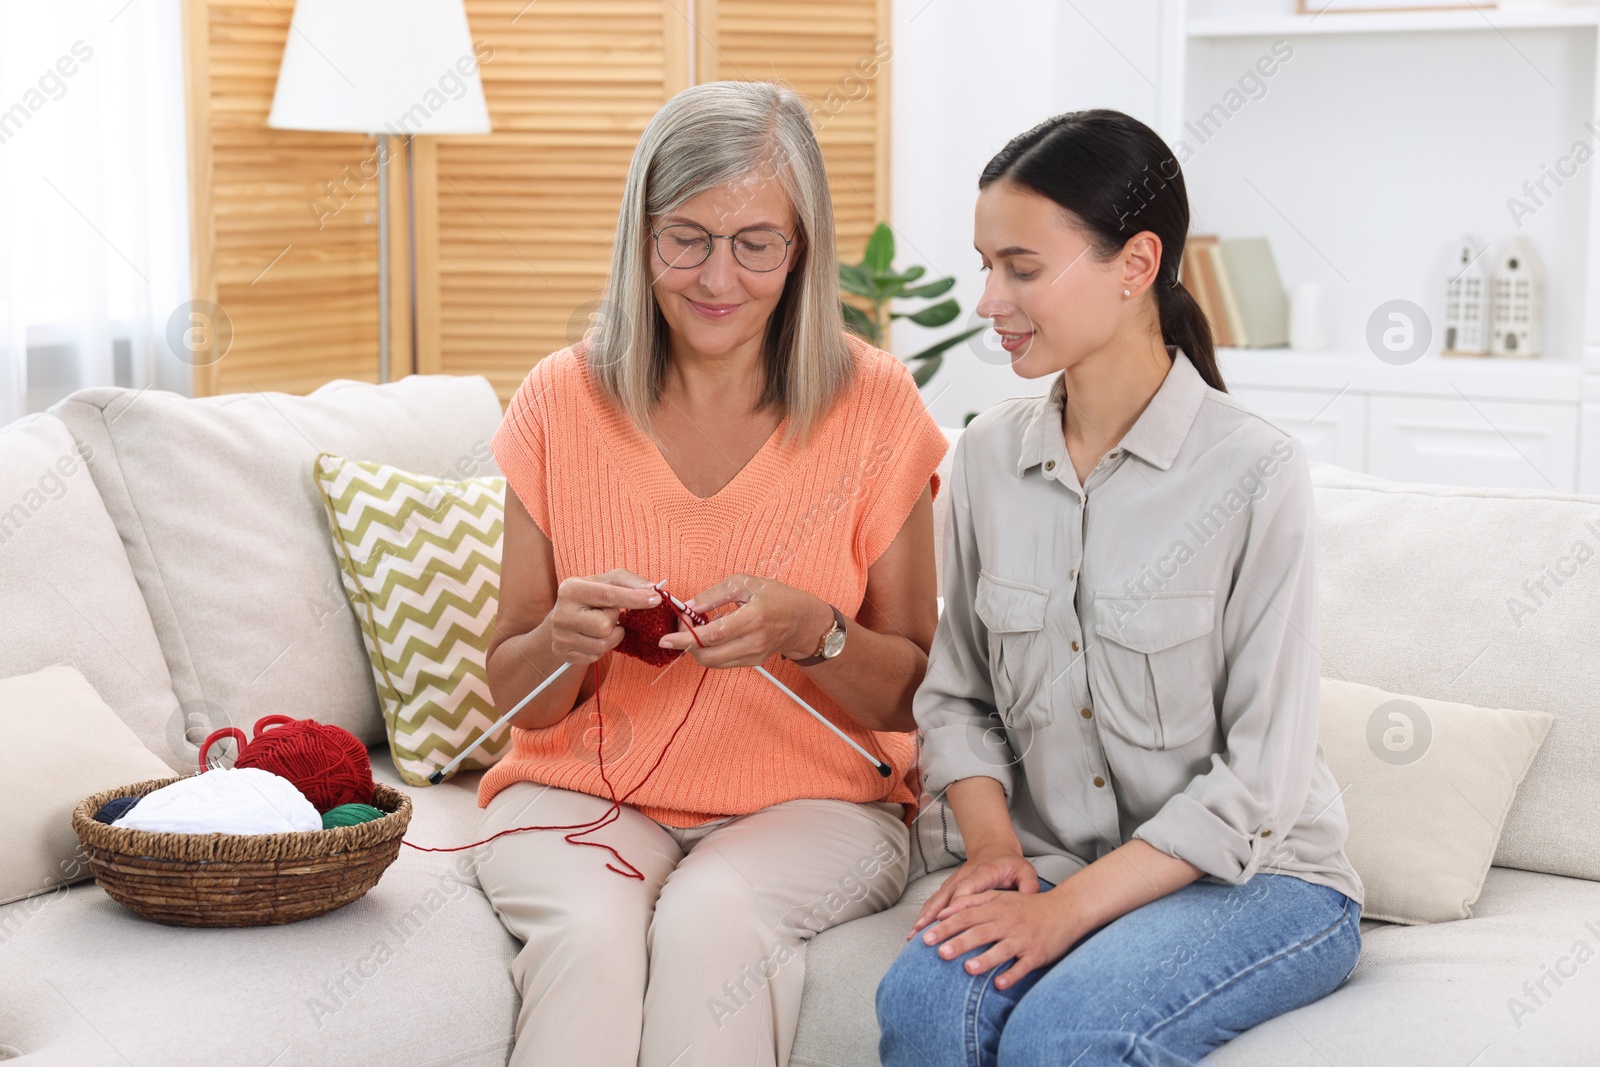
(1125, 292)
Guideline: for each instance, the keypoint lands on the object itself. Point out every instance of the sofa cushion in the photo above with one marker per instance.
(63, 571)
(1515, 984)
(420, 559)
(1420, 994)
(62, 743)
(1426, 785)
(417, 971)
(1479, 596)
(838, 1018)
(225, 530)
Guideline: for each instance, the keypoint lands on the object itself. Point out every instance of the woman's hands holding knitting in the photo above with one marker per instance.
(583, 623)
(771, 618)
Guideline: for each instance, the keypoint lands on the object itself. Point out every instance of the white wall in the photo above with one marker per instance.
(967, 76)
(1365, 189)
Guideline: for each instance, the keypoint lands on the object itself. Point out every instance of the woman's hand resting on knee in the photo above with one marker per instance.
(997, 868)
(994, 855)
(977, 906)
(993, 898)
(1035, 929)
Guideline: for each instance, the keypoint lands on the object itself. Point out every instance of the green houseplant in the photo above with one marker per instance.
(875, 284)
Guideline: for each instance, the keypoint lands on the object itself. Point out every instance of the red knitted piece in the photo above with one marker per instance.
(644, 629)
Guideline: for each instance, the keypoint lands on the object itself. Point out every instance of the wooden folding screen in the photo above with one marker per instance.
(512, 229)
(837, 54)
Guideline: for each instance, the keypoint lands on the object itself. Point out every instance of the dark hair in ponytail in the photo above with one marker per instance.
(1118, 178)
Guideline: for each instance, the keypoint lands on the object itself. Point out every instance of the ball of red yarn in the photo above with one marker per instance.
(327, 763)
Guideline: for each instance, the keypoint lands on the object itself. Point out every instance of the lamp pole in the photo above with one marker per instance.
(376, 69)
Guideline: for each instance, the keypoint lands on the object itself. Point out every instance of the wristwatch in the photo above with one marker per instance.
(831, 645)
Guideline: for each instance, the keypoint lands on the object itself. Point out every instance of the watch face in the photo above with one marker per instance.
(834, 644)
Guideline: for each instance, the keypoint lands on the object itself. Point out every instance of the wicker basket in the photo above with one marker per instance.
(238, 879)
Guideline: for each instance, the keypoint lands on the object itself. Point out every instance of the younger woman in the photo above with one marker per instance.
(1155, 862)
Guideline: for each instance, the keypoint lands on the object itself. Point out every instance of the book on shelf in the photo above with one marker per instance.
(1257, 291)
(1227, 308)
(1200, 279)
(1236, 283)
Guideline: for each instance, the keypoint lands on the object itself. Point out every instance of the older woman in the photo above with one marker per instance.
(722, 435)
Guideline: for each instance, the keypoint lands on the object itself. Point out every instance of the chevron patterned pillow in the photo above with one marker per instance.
(420, 560)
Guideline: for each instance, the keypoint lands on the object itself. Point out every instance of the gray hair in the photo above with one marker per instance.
(707, 136)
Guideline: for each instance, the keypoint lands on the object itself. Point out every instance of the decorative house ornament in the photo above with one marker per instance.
(1466, 300)
(1517, 303)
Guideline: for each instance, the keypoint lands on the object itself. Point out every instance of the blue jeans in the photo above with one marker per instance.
(1161, 986)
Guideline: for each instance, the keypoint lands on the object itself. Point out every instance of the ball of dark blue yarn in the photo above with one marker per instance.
(114, 809)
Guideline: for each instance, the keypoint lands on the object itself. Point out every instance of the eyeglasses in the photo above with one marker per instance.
(684, 247)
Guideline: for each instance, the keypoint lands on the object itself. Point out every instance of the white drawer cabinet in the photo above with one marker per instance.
(1519, 445)
(1507, 444)
(1466, 422)
(1333, 427)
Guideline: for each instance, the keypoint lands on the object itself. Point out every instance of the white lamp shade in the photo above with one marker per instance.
(379, 66)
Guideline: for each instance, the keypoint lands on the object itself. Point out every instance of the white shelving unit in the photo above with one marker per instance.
(1361, 156)
(1276, 25)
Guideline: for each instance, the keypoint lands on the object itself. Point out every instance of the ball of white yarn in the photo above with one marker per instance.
(226, 800)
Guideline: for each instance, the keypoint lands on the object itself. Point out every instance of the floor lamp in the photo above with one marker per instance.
(380, 67)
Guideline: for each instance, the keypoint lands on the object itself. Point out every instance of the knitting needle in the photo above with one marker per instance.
(438, 776)
(700, 620)
(884, 769)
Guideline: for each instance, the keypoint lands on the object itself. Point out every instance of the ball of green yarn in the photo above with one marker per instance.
(350, 815)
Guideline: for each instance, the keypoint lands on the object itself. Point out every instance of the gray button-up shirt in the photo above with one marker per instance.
(1137, 656)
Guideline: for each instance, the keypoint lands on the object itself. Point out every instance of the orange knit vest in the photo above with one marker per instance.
(815, 518)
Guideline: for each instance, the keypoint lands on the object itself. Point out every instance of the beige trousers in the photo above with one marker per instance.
(703, 962)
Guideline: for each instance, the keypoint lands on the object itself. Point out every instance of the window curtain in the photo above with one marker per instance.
(94, 235)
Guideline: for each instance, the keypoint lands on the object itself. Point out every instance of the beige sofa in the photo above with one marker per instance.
(184, 568)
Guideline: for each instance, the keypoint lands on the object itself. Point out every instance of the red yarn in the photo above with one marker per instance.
(327, 763)
(644, 629)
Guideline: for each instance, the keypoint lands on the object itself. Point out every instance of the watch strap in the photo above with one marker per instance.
(812, 661)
